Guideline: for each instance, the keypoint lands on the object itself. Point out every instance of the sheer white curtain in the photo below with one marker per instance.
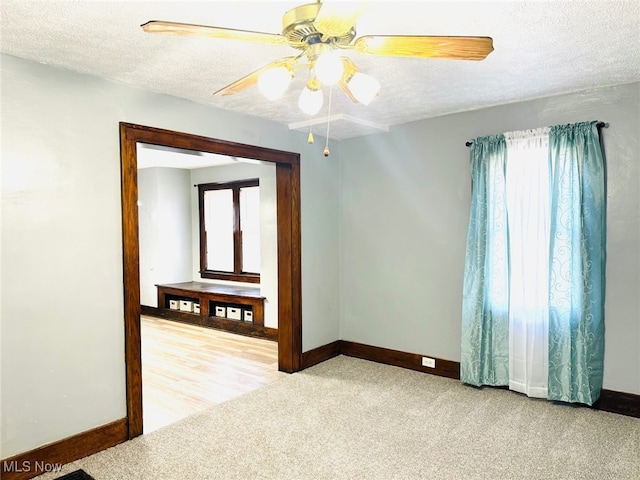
(528, 211)
(537, 236)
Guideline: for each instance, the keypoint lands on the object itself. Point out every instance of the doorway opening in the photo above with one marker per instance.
(288, 247)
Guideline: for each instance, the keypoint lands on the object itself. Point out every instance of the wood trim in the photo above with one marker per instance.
(412, 361)
(232, 185)
(320, 354)
(216, 289)
(131, 280)
(233, 326)
(237, 235)
(187, 141)
(238, 274)
(618, 402)
(289, 247)
(296, 265)
(32, 463)
(610, 400)
(150, 311)
(203, 232)
(285, 303)
(289, 267)
(233, 277)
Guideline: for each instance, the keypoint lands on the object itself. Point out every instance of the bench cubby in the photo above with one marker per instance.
(227, 307)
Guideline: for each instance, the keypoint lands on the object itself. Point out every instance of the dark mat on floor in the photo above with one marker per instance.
(77, 475)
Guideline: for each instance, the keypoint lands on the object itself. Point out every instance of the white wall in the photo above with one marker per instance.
(62, 300)
(268, 227)
(164, 213)
(405, 197)
(320, 197)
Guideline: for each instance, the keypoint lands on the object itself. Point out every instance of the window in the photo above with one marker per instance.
(533, 295)
(230, 230)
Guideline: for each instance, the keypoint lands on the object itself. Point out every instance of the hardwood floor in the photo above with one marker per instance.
(187, 368)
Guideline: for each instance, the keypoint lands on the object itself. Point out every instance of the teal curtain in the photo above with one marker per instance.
(485, 319)
(577, 256)
(577, 263)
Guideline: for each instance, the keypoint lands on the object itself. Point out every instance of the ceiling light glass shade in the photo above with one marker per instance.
(329, 68)
(364, 87)
(273, 82)
(310, 101)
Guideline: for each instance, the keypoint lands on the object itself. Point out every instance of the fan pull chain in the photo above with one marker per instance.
(326, 147)
(310, 137)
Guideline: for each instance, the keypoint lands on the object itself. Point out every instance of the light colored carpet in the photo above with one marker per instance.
(349, 418)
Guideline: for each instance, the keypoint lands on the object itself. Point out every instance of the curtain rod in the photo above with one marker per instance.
(599, 125)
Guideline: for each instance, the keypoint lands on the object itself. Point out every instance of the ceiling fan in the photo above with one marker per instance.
(321, 31)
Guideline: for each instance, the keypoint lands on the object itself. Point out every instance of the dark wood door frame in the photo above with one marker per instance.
(289, 248)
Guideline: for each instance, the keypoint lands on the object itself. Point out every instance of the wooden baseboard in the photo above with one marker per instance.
(320, 354)
(151, 311)
(610, 401)
(233, 326)
(412, 361)
(618, 402)
(51, 457)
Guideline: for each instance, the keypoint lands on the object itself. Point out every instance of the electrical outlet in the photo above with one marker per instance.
(429, 362)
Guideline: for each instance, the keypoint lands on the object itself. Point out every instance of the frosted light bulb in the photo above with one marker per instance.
(329, 68)
(364, 87)
(273, 82)
(310, 101)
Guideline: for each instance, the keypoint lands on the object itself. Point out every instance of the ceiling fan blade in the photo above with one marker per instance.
(335, 19)
(455, 48)
(159, 26)
(251, 79)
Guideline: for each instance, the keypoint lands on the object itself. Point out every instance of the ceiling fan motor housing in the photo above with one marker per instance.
(299, 29)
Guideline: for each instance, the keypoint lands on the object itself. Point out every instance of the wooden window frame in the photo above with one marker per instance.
(238, 274)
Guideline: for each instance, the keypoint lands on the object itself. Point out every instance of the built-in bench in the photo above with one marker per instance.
(226, 307)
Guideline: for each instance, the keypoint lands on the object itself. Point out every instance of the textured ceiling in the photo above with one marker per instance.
(541, 49)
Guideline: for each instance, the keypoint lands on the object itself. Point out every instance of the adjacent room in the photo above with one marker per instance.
(436, 250)
(187, 368)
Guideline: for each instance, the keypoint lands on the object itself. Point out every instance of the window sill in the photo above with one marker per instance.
(233, 277)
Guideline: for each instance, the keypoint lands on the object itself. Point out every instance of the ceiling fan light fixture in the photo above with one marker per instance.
(320, 30)
(273, 82)
(329, 68)
(310, 101)
(364, 87)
